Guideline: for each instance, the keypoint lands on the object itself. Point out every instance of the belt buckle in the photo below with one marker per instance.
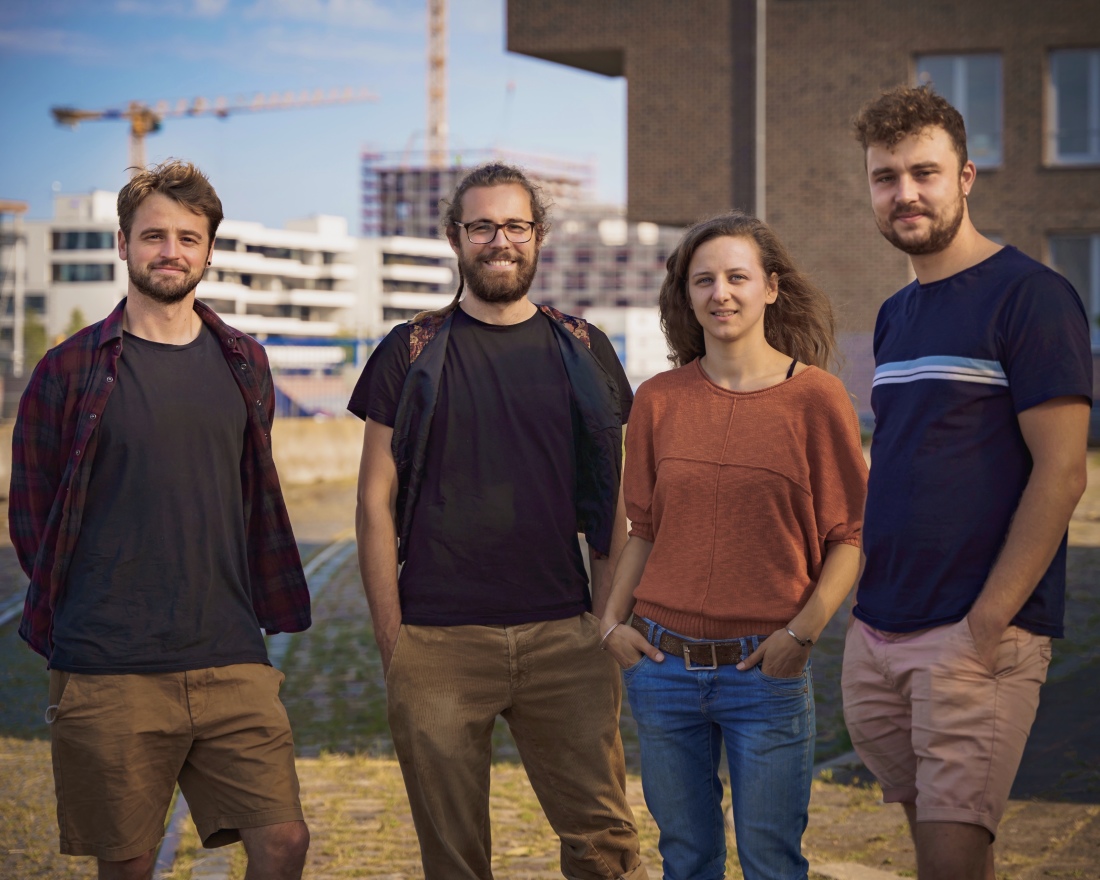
(699, 667)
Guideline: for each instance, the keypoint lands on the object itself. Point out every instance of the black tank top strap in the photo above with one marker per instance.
(790, 370)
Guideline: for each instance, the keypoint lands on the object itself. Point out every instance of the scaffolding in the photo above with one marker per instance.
(400, 192)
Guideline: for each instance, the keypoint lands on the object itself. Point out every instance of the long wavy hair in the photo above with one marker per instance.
(800, 323)
(488, 174)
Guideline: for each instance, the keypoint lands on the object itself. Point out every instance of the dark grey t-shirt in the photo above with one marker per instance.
(159, 576)
(494, 533)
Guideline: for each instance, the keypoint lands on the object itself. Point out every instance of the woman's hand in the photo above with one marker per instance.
(626, 644)
(779, 656)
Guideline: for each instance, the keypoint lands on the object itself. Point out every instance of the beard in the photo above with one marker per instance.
(941, 232)
(160, 288)
(491, 287)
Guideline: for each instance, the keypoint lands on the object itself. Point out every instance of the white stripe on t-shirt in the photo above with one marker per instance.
(954, 369)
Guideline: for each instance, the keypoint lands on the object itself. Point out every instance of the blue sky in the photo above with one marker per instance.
(277, 165)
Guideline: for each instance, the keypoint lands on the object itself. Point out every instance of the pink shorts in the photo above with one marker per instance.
(935, 725)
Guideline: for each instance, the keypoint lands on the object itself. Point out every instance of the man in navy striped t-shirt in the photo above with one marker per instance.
(983, 382)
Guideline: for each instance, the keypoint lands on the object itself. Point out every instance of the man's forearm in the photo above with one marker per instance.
(376, 535)
(1055, 433)
(376, 540)
(604, 568)
(1033, 538)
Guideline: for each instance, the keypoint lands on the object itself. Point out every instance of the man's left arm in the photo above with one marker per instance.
(38, 460)
(603, 567)
(1056, 434)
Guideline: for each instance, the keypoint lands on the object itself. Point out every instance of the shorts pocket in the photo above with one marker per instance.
(275, 673)
(1008, 650)
(59, 685)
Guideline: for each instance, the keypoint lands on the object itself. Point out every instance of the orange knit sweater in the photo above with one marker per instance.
(740, 493)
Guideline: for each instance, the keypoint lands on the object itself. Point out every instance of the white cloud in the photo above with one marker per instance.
(405, 15)
(210, 8)
(54, 41)
(155, 8)
(278, 47)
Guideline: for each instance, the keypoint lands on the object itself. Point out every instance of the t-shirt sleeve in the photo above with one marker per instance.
(605, 354)
(838, 470)
(379, 387)
(1045, 339)
(640, 470)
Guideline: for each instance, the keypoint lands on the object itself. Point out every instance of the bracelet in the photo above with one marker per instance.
(805, 643)
(606, 634)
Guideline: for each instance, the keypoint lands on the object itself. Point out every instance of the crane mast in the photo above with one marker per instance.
(437, 83)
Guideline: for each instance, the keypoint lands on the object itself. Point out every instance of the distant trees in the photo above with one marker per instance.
(77, 321)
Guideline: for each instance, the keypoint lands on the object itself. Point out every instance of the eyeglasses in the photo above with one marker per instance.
(483, 232)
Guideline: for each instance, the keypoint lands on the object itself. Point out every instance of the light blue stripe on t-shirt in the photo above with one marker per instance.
(954, 369)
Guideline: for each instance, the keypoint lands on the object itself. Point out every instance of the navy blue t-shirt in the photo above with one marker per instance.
(955, 362)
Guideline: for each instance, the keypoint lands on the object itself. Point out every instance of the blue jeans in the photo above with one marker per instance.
(767, 724)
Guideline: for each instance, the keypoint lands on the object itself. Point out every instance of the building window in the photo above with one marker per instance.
(93, 240)
(576, 281)
(622, 255)
(547, 257)
(1077, 257)
(612, 281)
(582, 256)
(972, 83)
(79, 272)
(1075, 105)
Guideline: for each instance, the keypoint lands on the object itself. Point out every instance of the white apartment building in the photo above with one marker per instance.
(317, 297)
(294, 282)
(405, 276)
(320, 298)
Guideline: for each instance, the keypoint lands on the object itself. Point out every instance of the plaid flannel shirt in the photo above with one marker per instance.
(53, 450)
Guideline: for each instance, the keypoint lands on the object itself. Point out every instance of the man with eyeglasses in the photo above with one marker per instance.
(493, 435)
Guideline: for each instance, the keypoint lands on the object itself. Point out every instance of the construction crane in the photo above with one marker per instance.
(437, 83)
(145, 119)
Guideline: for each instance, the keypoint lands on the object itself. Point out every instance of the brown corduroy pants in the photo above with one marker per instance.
(560, 696)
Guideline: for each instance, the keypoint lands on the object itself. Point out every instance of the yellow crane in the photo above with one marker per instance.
(146, 119)
(437, 83)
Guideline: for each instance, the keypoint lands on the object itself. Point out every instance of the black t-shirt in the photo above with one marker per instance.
(494, 530)
(159, 576)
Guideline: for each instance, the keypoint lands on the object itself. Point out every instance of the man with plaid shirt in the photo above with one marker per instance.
(146, 509)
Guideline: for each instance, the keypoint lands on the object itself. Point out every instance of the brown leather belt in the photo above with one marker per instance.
(697, 655)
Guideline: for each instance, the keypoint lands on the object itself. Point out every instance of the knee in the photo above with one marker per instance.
(293, 841)
(287, 843)
(139, 868)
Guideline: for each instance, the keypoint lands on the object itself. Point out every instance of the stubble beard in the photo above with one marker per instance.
(941, 232)
(490, 287)
(161, 289)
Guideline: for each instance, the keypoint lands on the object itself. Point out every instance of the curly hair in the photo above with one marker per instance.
(800, 322)
(906, 110)
(176, 179)
(487, 174)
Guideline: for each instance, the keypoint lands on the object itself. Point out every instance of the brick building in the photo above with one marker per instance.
(747, 104)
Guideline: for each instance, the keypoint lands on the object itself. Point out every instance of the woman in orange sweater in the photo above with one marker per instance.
(744, 484)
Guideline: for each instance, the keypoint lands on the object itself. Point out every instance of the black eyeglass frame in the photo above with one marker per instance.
(531, 224)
